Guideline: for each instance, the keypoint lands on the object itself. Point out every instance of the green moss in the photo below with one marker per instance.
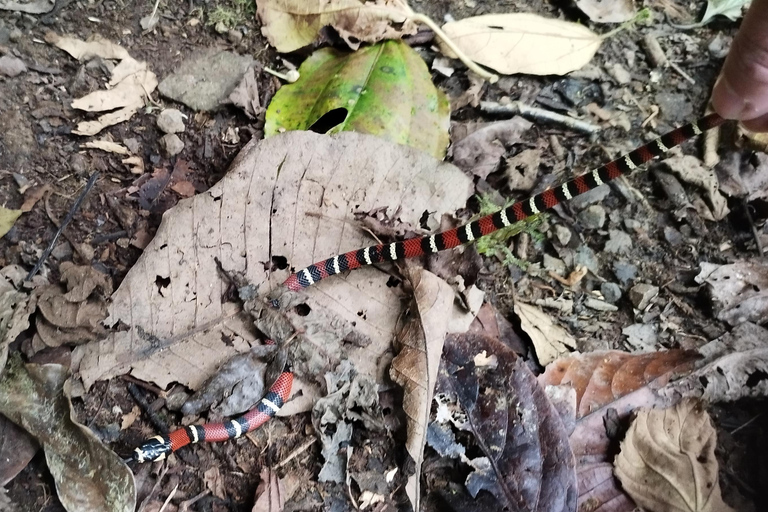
(232, 13)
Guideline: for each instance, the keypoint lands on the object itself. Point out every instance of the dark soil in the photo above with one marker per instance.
(36, 142)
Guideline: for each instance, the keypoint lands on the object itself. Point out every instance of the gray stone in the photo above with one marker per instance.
(599, 305)
(11, 66)
(624, 272)
(642, 294)
(172, 144)
(554, 264)
(15, 35)
(593, 217)
(5, 35)
(586, 256)
(563, 234)
(611, 292)
(641, 336)
(234, 36)
(620, 73)
(619, 242)
(675, 106)
(170, 120)
(205, 80)
(594, 196)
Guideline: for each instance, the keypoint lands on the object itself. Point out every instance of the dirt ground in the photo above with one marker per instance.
(36, 142)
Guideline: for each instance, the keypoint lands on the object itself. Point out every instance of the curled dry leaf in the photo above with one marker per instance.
(480, 152)
(738, 291)
(607, 11)
(523, 43)
(735, 366)
(667, 461)
(88, 475)
(550, 341)
(528, 464)
(415, 366)
(286, 202)
(383, 90)
(292, 24)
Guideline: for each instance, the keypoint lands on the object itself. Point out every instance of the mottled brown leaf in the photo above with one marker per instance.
(16, 450)
(531, 467)
(667, 461)
(270, 494)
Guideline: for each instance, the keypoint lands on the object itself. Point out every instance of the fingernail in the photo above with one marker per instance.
(727, 102)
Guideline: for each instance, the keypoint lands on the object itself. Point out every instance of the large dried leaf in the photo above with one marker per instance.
(88, 475)
(292, 24)
(415, 366)
(550, 341)
(289, 200)
(667, 461)
(530, 464)
(523, 43)
(739, 291)
(735, 366)
(384, 90)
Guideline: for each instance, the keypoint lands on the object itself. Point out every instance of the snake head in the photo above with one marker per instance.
(154, 449)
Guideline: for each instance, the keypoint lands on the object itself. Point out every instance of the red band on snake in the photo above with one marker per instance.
(158, 447)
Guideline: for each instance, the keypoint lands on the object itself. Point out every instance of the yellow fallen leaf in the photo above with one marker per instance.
(667, 460)
(292, 24)
(7, 218)
(523, 43)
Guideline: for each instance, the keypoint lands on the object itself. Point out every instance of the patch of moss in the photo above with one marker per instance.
(232, 13)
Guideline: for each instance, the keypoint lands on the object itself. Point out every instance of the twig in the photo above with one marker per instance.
(745, 424)
(295, 453)
(168, 499)
(755, 234)
(159, 424)
(682, 73)
(65, 222)
(537, 114)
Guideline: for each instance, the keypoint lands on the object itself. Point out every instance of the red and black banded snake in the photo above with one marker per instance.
(158, 447)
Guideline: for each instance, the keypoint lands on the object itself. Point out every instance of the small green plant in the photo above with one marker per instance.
(233, 13)
(497, 243)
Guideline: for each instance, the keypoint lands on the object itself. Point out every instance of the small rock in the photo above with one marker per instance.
(5, 35)
(611, 292)
(171, 120)
(632, 224)
(642, 294)
(133, 145)
(586, 256)
(11, 66)
(624, 272)
(619, 243)
(593, 217)
(641, 336)
(79, 164)
(621, 75)
(556, 265)
(176, 399)
(62, 252)
(563, 234)
(719, 46)
(599, 305)
(673, 236)
(594, 196)
(15, 35)
(172, 144)
(234, 36)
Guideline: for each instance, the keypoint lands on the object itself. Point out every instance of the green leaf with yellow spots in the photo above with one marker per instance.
(7, 218)
(384, 90)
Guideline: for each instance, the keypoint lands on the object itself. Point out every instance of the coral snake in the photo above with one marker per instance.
(158, 447)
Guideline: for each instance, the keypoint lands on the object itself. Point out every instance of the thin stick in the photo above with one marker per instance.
(65, 222)
(538, 114)
(295, 453)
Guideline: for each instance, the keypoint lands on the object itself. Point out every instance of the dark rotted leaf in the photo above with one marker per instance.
(492, 323)
(516, 427)
(16, 450)
(88, 475)
(239, 383)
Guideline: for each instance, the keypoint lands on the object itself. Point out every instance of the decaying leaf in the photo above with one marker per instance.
(528, 464)
(131, 82)
(270, 494)
(523, 43)
(384, 90)
(667, 461)
(738, 291)
(292, 24)
(7, 219)
(607, 11)
(690, 169)
(88, 475)
(415, 366)
(16, 450)
(287, 202)
(731, 9)
(15, 308)
(550, 341)
(480, 152)
(734, 366)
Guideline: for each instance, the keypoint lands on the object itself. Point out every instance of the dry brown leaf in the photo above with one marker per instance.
(108, 146)
(607, 11)
(690, 169)
(86, 50)
(215, 482)
(523, 43)
(550, 341)
(33, 195)
(415, 366)
(287, 200)
(270, 494)
(292, 24)
(667, 461)
(739, 291)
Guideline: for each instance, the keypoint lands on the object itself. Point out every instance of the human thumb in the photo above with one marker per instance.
(741, 92)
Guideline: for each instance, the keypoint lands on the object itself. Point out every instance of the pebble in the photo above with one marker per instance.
(594, 196)
(611, 292)
(556, 265)
(620, 73)
(12, 66)
(642, 294)
(171, 120)
(172, 144)
(586, 256)
(563, 234)
(619, 242)
(641, 336)
(15, 35)
(624, 272)
(5, 35)
(593, 217)
(234, 36)
(599, 305)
